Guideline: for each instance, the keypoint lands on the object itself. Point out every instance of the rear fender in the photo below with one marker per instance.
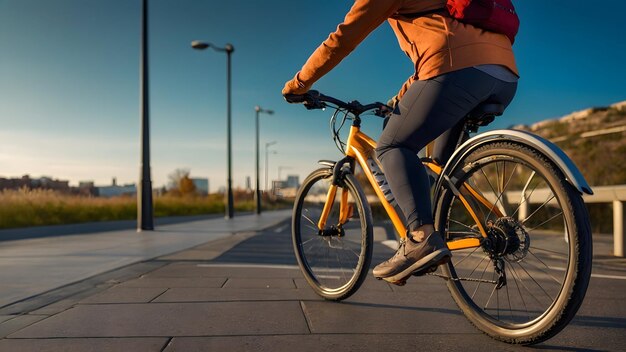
(544, 146)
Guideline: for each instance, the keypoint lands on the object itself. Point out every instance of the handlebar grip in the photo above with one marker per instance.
(295, 98)
(311, 99)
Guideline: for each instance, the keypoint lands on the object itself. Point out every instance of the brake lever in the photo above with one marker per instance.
(383, 111)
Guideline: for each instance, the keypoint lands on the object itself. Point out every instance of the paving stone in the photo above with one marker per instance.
(186, 270)
(244, 283)
(66, 303)
(171, 319)
(212, 250)
(356, 317)
(83, 345)
(4, 318)
(19, 322)
(223, 295)
(370, 284)
(62, 298)
(125, 295)
(175, 282)
(342, 342)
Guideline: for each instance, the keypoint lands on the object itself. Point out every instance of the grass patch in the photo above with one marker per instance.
(26, 208)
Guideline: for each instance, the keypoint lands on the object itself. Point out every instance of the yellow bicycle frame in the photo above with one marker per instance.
(359, 146)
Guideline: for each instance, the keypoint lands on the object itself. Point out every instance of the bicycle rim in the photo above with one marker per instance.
(334, 265)
(528, 278)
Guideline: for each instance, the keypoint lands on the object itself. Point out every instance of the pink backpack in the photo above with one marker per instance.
(492, 15)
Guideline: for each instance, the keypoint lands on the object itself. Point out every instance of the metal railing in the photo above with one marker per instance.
(601, 194)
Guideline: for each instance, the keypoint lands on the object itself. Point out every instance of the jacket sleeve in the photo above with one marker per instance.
(360, 21)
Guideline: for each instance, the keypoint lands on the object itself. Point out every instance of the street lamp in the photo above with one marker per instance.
(228, 49)
(267, 145)
(257, 192)
(280, 180)
(145, 211)
(280, 168)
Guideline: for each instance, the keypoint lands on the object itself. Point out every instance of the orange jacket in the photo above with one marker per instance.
(435, 43)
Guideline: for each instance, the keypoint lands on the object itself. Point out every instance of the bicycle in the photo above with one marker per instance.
(499, 190)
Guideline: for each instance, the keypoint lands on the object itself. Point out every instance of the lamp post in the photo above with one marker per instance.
(257, 192)
(267, 145)
(280, 180)
(228, 49)
(145, 213)
(280, 168)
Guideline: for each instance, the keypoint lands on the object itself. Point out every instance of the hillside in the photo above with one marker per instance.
(594, 138)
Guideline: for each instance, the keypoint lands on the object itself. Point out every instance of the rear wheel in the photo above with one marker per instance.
(335, 260)
(529, 276)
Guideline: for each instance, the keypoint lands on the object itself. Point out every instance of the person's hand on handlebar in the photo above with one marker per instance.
(310, 99)
(295, 86)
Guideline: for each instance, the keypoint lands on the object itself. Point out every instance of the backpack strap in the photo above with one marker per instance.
(414, 15)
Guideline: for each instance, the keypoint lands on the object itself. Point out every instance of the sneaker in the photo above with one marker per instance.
(413, 257)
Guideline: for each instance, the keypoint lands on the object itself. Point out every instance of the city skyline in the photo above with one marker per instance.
(69, 82)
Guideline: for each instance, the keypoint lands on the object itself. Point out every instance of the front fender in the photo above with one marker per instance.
(544, 146)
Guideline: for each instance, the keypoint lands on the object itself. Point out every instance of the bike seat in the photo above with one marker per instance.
(484, 114)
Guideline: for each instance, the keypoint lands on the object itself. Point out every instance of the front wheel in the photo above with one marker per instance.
(527, 279)
(334, 260)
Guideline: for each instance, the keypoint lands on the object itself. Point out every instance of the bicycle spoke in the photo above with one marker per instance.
(521, 296)
(524, 197)
(311, 221)
(536, 210)
(307, 241)
(492, 291)
(536, 283)
(494, 193)
(545, 272)
(315, 229)
(508, 298)
(476, 267)
(543, 223)
(475, 231)
(481, 277)
(524, 285)
(467, 256)
(564, 255)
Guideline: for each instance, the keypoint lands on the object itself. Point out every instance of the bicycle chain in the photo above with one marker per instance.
(463, 278)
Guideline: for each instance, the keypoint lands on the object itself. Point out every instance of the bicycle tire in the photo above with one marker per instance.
(533, 261)
(334, 266)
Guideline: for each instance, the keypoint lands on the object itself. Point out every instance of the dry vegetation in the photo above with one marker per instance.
(26, 207)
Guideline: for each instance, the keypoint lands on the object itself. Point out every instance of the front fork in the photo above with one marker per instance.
(345, 209)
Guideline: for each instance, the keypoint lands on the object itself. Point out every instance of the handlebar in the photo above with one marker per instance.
(316, 100)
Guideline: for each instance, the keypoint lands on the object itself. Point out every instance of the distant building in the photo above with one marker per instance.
(202, 185)
(86, 184)
(286, 188)
(114, 190)
(293, 181)
(86, 188)
(44, 182)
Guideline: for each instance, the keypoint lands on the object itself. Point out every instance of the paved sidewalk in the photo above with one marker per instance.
(243, 292)
(33, 266)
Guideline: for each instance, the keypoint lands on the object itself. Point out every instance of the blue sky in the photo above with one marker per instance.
(69, 81)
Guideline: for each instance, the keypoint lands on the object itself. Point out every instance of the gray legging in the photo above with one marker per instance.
(430, 109)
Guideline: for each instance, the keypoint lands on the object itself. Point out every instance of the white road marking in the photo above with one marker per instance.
(599, 276)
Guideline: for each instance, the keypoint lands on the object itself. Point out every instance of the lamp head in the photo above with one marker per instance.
(198, 45)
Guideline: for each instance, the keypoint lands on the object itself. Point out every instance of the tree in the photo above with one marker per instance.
(181, 183)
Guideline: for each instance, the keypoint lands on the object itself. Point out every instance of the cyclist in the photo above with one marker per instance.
(457, 66)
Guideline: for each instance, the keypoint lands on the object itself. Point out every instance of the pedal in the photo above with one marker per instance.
(423, 272)
(397, 283)
(432, 268)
